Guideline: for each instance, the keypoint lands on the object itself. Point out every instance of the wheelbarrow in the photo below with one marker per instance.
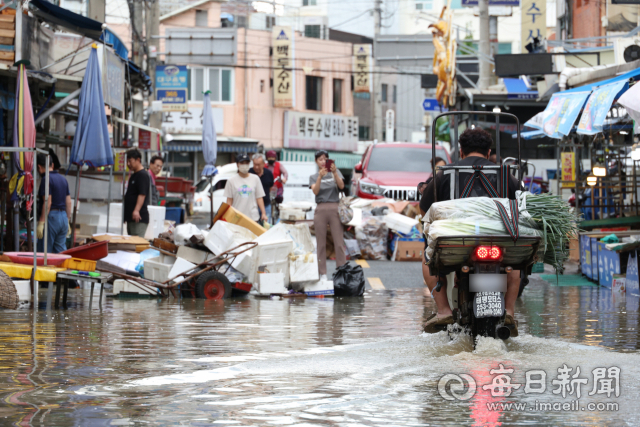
(207, 280)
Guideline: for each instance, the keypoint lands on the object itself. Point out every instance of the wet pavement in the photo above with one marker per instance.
(339, 362)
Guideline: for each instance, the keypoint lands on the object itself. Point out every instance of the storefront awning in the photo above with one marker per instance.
(226, 144)
(343, 160)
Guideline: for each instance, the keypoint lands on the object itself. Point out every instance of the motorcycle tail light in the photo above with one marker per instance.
(488, 253)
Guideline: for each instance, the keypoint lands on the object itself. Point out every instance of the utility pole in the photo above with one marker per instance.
(377, 82)
(153, 29)
(136, 10)
(484, 46)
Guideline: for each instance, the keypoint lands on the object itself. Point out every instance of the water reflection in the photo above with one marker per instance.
(314, 361)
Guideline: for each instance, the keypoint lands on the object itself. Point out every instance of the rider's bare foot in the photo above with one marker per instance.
(438, 322)
(512, 324)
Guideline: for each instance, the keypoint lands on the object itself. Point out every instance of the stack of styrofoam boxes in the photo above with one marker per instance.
(156, 220)
(158, 268)
(273, 256)
(399, 222)
(88, 224)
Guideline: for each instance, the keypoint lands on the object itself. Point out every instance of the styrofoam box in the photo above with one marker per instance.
(292, 214)
(23, 287)
(274, 256)
(180, 266)
(224, 236)
(303, 268)
(321, 287)
(127, 286)
(193, 255)
(271, 283)
(399, 222)
(158, 268)
(156, 220)
(87, 219)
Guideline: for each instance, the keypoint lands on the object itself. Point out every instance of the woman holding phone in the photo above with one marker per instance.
(326, 185)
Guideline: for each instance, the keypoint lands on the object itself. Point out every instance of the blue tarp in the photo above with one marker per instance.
(91, 143)
(561, 113)
(598, 105)
(517, 89)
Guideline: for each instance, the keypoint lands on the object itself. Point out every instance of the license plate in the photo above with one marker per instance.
(488, 282)
(488, 304)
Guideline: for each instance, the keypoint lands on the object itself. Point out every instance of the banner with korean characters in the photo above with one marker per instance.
(568, 165)
(320, 131)
(284, 78)
(534, 22)
(190, 121)
(362, 65)
(172, 87)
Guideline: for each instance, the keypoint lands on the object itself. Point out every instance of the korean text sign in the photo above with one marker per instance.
(283, 64)
(362, 61)
(172, 87)
(320, 131)
(534, 21)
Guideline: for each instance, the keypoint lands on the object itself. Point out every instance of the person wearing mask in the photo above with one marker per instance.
(326, 185)
(266, 178)
(58, 208)
(279, 171)
(136, 214)
(244, 191)
(155, 167)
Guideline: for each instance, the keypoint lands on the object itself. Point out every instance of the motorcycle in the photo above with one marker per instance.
(476, 266)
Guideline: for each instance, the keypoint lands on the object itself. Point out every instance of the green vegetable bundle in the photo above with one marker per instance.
(558, 222)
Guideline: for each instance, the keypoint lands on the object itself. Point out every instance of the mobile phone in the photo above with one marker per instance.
(328, 164)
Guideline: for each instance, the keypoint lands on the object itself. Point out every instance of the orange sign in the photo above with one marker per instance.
(568, 164)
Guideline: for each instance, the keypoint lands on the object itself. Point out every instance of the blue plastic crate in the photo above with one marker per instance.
(175, 214)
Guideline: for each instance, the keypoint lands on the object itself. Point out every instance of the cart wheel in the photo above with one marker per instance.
(213, 285)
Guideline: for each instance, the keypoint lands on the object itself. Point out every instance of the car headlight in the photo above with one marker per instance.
(371, 189)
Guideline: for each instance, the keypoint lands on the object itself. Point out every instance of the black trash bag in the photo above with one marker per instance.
(348, 281)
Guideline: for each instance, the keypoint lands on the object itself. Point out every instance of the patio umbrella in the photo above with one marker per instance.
(24, 135)
(91, 143)
(209, 144)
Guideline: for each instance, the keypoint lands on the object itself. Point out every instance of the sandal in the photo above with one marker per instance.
(436, 324)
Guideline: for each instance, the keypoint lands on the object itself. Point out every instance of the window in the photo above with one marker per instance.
(456, 4)
(309, 2)
(424, 4)
(384, 92)
(314, 93)
(218, 80)
(362, 95)
(312, 31)
(395, 94)
(202, 18)
(337, 96)
(363, 133)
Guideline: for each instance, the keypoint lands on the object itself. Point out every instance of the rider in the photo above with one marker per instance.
(475, 146)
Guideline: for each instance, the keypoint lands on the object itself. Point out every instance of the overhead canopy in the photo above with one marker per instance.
(79, 24)
(226, 144)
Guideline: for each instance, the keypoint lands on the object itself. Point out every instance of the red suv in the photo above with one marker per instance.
(394, 170)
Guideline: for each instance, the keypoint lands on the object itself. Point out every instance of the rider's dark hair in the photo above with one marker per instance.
(475, 141)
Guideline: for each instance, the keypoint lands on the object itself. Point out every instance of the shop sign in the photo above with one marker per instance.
(320, 131)
(283, 64)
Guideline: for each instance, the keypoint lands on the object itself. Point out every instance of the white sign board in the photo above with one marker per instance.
(310, 131)
(190, 121)
(390, 125)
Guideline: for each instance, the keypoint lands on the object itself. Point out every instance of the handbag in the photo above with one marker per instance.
(344, 209)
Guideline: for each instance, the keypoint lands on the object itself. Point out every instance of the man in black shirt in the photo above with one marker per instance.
(475, 146)
(266, 178)
(136, 214)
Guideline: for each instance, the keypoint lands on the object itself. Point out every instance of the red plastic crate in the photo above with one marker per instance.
(92, 252)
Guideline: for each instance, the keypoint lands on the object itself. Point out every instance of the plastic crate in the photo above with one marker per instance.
(174, 214)
(158, 268)
(79, 264)
(538, 267)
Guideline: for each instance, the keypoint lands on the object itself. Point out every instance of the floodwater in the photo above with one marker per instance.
(343, 362)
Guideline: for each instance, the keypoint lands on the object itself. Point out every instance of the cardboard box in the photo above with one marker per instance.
(574, 249)
(619, 283)
(321, 287)
(409, 251)
(231, 215)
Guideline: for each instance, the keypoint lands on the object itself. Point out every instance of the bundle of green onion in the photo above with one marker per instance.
(558, 223)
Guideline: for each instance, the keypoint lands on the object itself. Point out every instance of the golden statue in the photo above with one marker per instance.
(444, 58)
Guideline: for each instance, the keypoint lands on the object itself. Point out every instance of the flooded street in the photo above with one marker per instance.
(343, 362)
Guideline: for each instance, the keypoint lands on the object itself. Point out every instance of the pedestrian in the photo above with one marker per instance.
(155, 167)
(244, 191)
(266, 178)
(136, 214)
(326, 184)
(58, 206)
(438, 161)
(279, 171)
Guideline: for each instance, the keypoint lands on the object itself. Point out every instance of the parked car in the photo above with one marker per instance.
(394, 170)
(201, 200)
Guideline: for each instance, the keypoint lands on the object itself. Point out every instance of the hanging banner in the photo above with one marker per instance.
(148, 140)
(534, 21)
(568, 164)
(362, 65)
(312, 131)
(561, 113)
(283, 64)
(597, 107)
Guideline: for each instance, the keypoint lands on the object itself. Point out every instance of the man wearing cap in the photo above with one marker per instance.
(278, 171)
(244, 192)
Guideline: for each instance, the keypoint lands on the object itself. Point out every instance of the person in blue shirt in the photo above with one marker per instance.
(59, 208)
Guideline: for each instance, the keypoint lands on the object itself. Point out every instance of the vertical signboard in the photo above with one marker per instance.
(568, 164)
(534, 21)
(171, 87)
(112, 79)
(362, 59)
(283, 64)
(390, 119)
